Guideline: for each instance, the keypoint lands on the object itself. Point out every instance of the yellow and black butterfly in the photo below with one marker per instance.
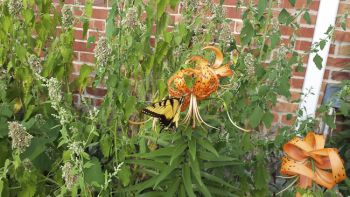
(167, 111)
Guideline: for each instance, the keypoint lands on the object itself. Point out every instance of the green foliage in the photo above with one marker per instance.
(88, 151)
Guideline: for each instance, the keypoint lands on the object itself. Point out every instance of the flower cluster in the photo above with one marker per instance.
(131, 19)
(35, 63)
(15, 7)
(76, 148)
(67, 17)
(20, 137)
(69, 176)
(249, 63)
(345, 93)
(63, 115)
(54, 87)
(102, 51)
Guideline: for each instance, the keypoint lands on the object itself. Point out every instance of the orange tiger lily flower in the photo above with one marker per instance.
(206, 81)
(310, 161)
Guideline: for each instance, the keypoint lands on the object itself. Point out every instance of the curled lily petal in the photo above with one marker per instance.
(328, 169)
(218, 56)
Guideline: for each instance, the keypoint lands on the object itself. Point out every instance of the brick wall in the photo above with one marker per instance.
(339, 55)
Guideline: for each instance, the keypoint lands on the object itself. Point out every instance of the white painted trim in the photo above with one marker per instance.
(326, 16)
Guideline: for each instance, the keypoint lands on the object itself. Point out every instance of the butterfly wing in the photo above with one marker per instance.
(167, 111)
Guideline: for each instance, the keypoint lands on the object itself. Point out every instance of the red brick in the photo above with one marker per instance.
(233, 12)
(338, 62)
(332, 49)
(340, 76)
(285, 107)
(288, 122)
(343, 8)
(99, 13)
(300, 4)
(78, 34)
(99, 25)
(227, 2)
(96, 91)
(344, 50)
(286, 30)
(295, 95)
(326, 74)
(94, 33)
(305, 32)
(312, 17)
(238, 26)
(302, 45)
(76, 56)
(342, 36)
(296, 83)
(87, 57)
(81, 46)
(173, 11)
(299, 74)
(276, 117)
(98, 102)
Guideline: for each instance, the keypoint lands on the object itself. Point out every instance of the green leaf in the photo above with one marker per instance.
(147, 163)
(82, 81)
(218, 180)
(1, 186)
(267, 119)
(196, 171)
(292, 2)
(161, 6)
(318, 61)
(173, 188)
(207, 145)
(261, 176)
(106, 145)
(88, 8)
(91, 39)
(94, 174)
(3, 127)
(129, 107)
(275, 39)
(186, 176)
(165, 172)
(329, 120)
(284, 16)
(307, 17)
(27, 190)
(247, 33)
(85, 26)
(208, 156)
(261, 7)
(177, 152)
(208, 165)
(256, 117)
(37, 146)
(192, 148)
(124, 175)
(160, 152)
(323, 44)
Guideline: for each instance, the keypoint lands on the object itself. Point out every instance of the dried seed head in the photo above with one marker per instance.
(54, 87)
(345, 93)
(76, 148)
(102, 51)
(282, 52)
(35, 63)
(15, 6)
(20, 137)
(67, 17)
(69, 176)
(249, 63)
